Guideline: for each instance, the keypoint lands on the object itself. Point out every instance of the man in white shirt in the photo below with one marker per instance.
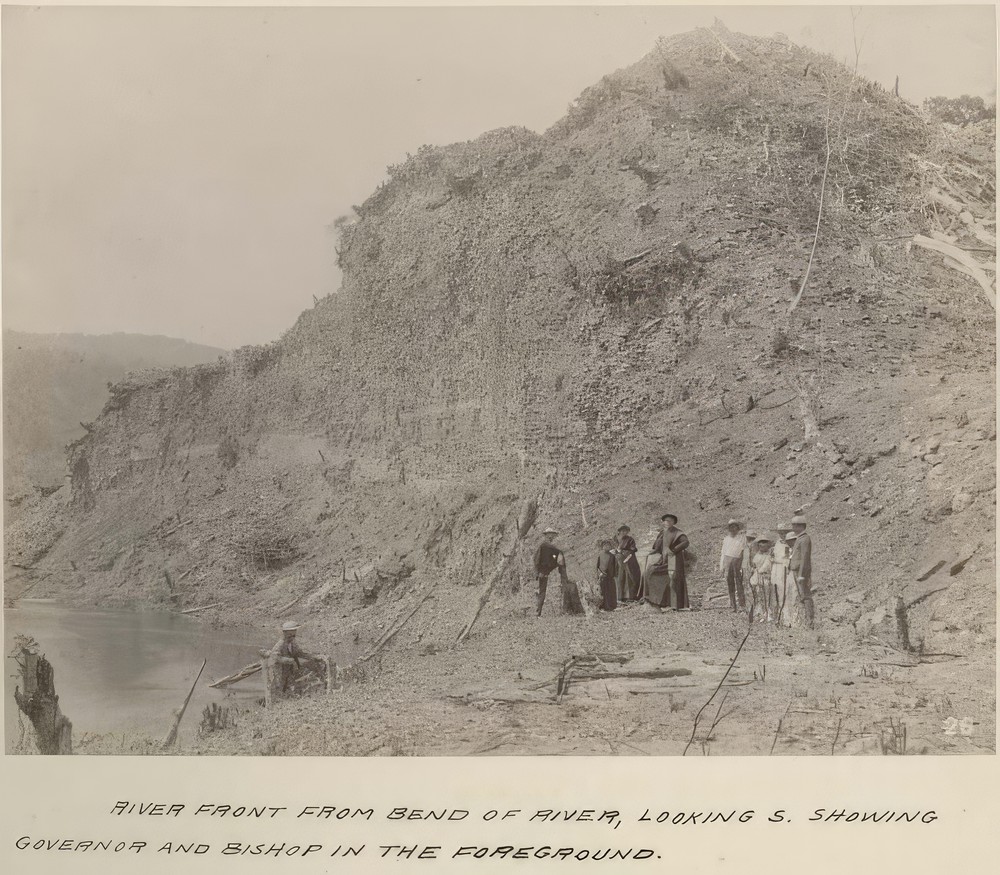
(731, 564)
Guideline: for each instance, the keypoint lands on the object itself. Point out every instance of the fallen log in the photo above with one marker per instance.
(973, 267)
(242, 674)
(202, 608)
(526, 519)
(292, 603)
(725, 49)
(175, 528)
(586, 673)
(635, 259)
(385, 639)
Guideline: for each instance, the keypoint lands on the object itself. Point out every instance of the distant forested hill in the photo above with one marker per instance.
(54, 382)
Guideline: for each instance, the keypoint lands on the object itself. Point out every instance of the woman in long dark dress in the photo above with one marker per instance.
(628, 577)
(606, 576)
(667, 582)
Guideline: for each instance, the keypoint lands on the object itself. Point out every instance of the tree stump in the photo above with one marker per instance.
(572, 600)
(40, 704)
(284, 677)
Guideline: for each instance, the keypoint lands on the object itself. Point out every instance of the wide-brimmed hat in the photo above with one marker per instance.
(792, 536)
(671, 516)
(798, 521)
(290, 626)
(750, 536)
(783, 527)
(624, 529)
(763, 541)
(732, 523)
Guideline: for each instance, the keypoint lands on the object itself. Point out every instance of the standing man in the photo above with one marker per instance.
(801, 567)
(668, 580)
(731, 564)
(548, 557)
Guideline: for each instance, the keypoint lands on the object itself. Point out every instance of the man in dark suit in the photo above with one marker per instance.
(548, 557)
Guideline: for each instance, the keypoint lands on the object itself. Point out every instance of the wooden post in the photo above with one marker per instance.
(902, 623)
(269, 681)
(40, 704)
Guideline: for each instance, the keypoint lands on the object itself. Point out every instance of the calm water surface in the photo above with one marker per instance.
(128, 671)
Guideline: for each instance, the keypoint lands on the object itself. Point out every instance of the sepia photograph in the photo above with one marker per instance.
(608, 381)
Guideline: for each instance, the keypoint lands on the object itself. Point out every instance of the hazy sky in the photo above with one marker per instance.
(176, 171)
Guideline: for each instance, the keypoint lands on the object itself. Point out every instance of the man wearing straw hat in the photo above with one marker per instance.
(731, 564)
(290, 655)
(760, 580)
(801, 566)
(548, 557)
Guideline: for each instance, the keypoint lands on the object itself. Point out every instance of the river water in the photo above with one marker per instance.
(127, 672)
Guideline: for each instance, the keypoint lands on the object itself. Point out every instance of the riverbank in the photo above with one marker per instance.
(790, 692)
(122, 674)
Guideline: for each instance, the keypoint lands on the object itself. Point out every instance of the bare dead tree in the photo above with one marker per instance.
(722, 680)
(819, 214)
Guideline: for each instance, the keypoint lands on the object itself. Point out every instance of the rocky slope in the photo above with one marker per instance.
(596, 318)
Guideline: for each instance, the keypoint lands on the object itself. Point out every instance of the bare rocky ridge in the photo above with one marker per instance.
(595, 318)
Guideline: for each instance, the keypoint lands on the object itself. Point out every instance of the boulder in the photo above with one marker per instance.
(961, 501)
(843, 612)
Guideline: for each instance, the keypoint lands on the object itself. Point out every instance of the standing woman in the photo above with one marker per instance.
(671, 544)
(760, 580)
(628, 576)
(606, 574)
(788, 592)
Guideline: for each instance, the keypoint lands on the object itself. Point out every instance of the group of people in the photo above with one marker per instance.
(777, 571)
(769, 578)
(662, 583)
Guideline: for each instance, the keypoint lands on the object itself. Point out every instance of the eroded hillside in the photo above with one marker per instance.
(596, 318)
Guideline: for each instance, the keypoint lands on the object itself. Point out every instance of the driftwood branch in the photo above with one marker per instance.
(172, 737)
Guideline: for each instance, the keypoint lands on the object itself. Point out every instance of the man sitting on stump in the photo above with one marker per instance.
(548, 558)
(290, 660)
